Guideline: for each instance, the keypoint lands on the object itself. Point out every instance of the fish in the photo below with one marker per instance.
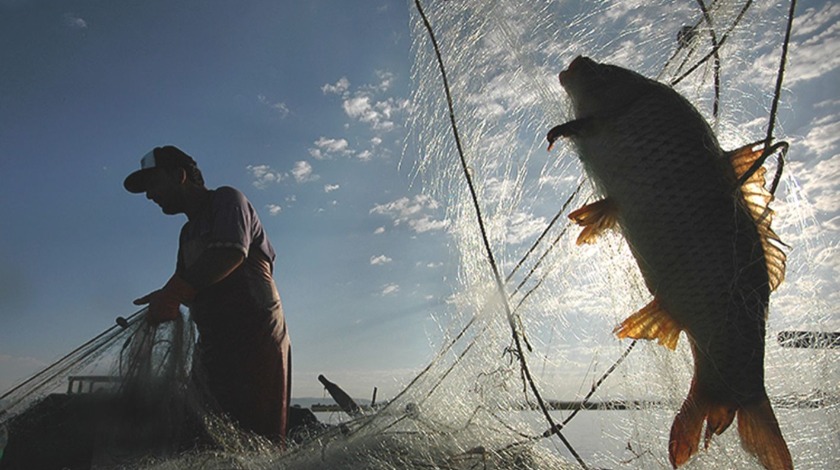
(698, 223)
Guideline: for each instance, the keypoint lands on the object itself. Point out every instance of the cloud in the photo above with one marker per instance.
(379, 231)
(812, 20)
(824, 136)
(379, 115)
(328, 188)
(389, 289)
(74, 21)
(379, 260)
(326, 148)
(339, 88)
(522, 226)
(820, 184)
(274, 209)
(816, 38)
(427, 224)
(359, 108)
(303, 172)
(279, 107)
(264, 175)
(412, 212)
(385, 80)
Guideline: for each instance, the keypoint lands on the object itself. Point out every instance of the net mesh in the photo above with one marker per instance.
(515, 364)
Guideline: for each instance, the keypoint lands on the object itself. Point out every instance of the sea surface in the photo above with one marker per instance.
(606, 439)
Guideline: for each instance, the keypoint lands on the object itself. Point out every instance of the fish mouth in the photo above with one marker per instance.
(575, 65)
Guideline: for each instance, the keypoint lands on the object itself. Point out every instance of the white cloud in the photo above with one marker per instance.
(389, 289)
(264, 175)
(379, 115)
(274, 209)
(385, 80)
(379, 231)
(824, 136)
(328, 147)
(522, 226)
(279, 107)
(339, 88)
(427, 224)
(812, 20)
(813, 48)
(379, 260)
(365, 155)
(359, 107)
(820, 184)
(75, 21)
(317, 154)
(303, 172)
(833, 224)
(328, 188)
(412, 212)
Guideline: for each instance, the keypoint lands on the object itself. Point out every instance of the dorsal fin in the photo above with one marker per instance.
(757, 201)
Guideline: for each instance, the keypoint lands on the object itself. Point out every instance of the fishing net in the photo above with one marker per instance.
(527, 372)
(126, 398)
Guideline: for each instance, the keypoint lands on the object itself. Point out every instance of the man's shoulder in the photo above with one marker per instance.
(230, 195)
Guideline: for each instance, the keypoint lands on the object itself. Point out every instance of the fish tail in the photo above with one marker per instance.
(761, 436)
(688, 425)
(757, 426)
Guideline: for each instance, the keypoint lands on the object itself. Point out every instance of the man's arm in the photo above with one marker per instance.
(211, 267)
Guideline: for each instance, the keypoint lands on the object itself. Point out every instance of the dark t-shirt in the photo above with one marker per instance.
(243, 345)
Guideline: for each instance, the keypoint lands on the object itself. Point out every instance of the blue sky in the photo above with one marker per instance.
(299, 104)
(303, 106)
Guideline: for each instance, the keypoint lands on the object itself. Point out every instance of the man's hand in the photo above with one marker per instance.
(164, 303)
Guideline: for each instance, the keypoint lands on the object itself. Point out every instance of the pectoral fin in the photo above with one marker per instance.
(651, 322)
(569, 129)
(757, 201)
(595, 218)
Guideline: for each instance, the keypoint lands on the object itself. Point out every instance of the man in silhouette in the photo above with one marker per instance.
(224, 275)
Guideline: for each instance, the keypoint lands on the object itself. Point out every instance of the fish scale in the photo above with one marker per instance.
(674, 195)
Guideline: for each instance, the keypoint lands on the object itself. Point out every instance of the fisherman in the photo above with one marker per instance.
(224, 275)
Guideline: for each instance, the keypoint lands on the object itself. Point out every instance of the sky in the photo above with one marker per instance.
(301, 105)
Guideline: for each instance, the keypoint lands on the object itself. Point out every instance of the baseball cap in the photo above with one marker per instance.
(168, 156)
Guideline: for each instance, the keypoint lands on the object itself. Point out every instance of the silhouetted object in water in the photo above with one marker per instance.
(341, 397)
(809, 339)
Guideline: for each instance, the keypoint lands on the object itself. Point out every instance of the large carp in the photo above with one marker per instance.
(697, 221)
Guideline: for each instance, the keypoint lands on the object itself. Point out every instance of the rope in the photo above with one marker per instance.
(51, 371)
(716, 48)
(491, 259)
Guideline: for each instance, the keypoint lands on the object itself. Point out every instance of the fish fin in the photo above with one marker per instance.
(757, 200)
(568, 129)
(651, 322)
(595, 218)
(717, 421)
(761, 436)
(685, 431)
